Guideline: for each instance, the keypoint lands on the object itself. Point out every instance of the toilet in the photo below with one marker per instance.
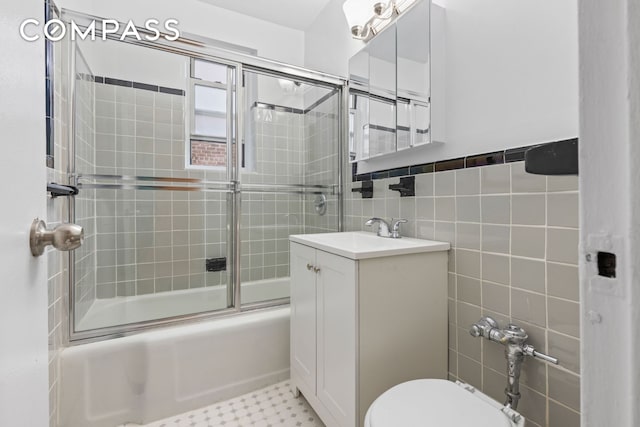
(439, 403)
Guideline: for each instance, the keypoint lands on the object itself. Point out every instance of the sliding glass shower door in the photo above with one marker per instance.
(289, 176)
(156, 198)
(192, 171)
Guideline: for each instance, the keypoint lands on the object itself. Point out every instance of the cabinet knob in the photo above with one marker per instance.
(309, 267)
(316, 269)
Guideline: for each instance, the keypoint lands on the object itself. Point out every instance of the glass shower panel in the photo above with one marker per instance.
(157, 227)
(181, 218)
(290, 177)
(158, 254)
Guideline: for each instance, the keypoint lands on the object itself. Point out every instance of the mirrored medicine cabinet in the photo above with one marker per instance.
(390, 88)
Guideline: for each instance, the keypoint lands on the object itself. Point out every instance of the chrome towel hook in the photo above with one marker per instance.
(64, 237)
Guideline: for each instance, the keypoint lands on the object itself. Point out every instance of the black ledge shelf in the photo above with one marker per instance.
(553, 158)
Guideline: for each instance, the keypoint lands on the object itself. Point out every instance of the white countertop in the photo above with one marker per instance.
(363, 245)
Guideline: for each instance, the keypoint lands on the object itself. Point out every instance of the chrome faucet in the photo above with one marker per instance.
(386, 230)
(383, 226)
(513, 338)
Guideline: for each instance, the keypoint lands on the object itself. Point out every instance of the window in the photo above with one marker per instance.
(212, 105)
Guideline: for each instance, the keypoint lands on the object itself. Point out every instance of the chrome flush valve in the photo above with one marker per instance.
(513, 338)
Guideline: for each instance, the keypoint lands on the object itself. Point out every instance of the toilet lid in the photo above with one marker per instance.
(435, 402)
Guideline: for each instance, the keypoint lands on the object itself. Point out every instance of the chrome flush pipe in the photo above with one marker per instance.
(513, 338)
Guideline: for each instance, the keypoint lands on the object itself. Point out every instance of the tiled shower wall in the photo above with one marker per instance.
(514, 257)
(291, 148)
(158, 240)
(321, 160)
(151, 240)
(85, 207)
(267, 219)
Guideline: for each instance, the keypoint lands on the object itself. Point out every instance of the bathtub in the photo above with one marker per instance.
(125, 310)
(167, 371)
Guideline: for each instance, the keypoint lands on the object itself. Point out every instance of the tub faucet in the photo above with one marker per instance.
(513, 338)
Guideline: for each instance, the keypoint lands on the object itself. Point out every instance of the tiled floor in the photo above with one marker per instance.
(273, 406)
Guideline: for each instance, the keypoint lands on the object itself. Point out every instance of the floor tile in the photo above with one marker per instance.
(273, 406)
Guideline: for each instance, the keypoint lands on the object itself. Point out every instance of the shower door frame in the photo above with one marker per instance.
(197, 47)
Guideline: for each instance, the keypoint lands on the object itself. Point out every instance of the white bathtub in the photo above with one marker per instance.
(125, 310)
(156, 374)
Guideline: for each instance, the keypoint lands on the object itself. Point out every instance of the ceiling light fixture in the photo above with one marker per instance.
(366, 18)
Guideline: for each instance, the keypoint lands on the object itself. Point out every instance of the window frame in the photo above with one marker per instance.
(230, 88)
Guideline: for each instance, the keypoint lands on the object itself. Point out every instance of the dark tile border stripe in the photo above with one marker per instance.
(485, 159)
(448, 165)
(117, 82)
(152, 88)
(171, 91)
(494, 158)
(137, 85)
(418, 169)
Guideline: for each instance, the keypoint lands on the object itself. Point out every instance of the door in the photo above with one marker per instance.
(303, 314)
(336, 317)
(23, 289)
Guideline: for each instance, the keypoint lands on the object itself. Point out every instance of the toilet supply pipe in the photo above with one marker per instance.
(513, 338)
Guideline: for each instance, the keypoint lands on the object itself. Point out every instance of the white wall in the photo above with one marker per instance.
(328, 44)
(270, 40)
(511, 74)
(125, 61)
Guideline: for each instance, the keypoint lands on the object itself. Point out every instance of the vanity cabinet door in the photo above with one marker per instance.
(336, 336)
(303, 314)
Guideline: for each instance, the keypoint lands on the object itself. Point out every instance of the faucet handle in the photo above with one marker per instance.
(395, 223)
(395, 227)
(529, 350)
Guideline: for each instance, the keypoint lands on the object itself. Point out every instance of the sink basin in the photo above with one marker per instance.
(363, 245)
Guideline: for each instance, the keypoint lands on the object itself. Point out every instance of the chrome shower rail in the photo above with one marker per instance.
(131, 182)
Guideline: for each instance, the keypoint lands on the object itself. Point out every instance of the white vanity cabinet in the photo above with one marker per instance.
(367, 313)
